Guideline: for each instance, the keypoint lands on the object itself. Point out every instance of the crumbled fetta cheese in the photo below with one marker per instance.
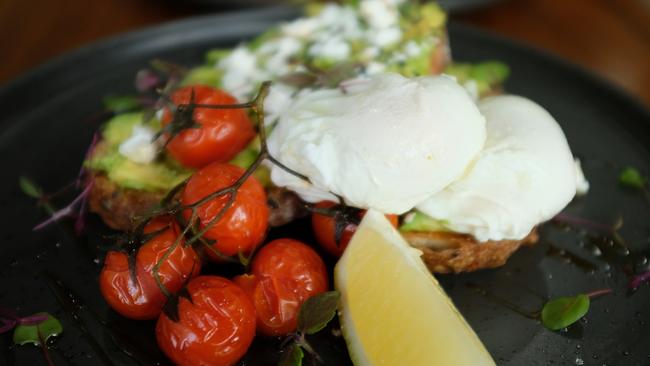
(279, 52)
(140, 147)
(378, 14)
(385, 37)
(241, 73)
(582, 184)
(334, 48)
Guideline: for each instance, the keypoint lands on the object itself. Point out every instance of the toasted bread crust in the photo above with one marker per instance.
(120, 207)
(447, 252)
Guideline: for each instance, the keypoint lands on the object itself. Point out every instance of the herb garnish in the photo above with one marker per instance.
(638, 279)
(631, 177)
(561, 312)
(36, 329)
(314, 315)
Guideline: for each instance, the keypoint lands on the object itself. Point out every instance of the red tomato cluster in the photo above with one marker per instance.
(217, 318)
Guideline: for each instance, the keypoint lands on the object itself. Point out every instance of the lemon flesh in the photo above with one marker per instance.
(392, 310)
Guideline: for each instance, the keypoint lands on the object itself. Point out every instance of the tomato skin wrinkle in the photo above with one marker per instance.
(284, 273)
(221, 134)
(215, 328)
(139, 297)
(244, 224)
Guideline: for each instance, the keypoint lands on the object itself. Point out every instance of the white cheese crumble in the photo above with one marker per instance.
(241, 73)
(334, 48)
(378, 14)
(140, 147)
(384, 37)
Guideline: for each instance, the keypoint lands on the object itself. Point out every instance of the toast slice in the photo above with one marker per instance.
(449, 252)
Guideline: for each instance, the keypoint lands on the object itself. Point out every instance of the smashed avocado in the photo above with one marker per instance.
(418, 221)
(161, 175)
(487, 75)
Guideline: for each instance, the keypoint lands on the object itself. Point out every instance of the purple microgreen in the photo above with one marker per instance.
(638, 280)
(146, 80)
(89, 151)
(33, 319)
(68, 210)
(564, 218)
(562, 312)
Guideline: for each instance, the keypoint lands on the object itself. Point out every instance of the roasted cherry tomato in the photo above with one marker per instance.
(244, 224)
(284, 274)
(323, 226)
(222, 132)
(135, 294)
(215, 328)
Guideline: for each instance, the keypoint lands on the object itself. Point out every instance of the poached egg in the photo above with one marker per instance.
(524, 175)
(386, 142)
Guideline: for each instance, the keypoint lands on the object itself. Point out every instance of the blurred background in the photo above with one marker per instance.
(609, 37)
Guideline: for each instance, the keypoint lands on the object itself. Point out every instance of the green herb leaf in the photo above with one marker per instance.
(42, 331)
(293, 356)
(560, 313)
(317, 311)
(120, 103)
(29, 188)
(631, 177)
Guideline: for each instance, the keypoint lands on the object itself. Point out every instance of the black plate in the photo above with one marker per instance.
(49, 116)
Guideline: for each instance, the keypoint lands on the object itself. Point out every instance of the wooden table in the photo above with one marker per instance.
(609, 37)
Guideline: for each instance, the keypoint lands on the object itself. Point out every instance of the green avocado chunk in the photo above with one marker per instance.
(487, 75)
(417, 221)
(160, 175)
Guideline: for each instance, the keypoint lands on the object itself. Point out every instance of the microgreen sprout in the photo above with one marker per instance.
(562, 312)
(36, 329)
(314, 315)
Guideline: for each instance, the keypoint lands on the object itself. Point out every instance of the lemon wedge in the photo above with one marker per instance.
(392, 310)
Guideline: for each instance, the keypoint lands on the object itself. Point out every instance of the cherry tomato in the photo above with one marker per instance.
(284, 274)
(223, 132)
(215, 328)
(244, 224)
(324, 225)
(138, 296)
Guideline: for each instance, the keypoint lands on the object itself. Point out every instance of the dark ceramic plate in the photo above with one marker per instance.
(50, 114)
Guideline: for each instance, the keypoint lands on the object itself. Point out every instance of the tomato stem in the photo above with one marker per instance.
(167, 207)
